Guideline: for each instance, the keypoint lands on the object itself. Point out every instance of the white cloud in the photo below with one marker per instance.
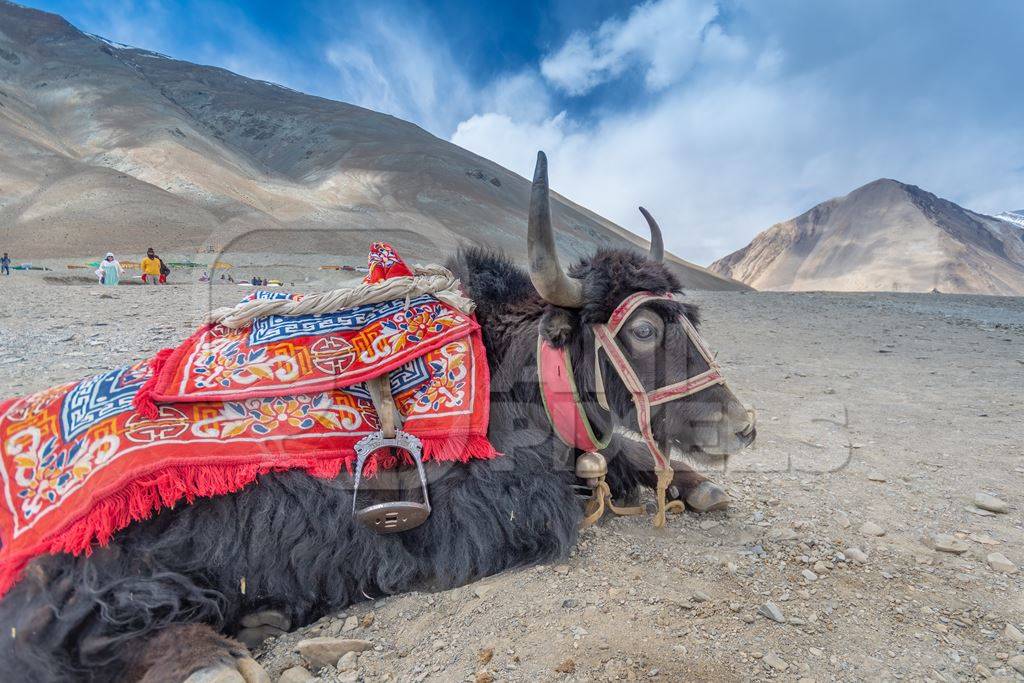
(400, 67)
(664, 38)
(734, 121)
(747, 142)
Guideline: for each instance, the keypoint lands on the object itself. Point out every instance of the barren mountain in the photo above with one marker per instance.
(884, 236)
(108, 147)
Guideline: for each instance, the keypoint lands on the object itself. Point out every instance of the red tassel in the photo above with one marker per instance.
(142, 498)
(143, 402)
(458, 448)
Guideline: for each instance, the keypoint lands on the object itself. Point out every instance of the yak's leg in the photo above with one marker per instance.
(195, 653)
(258, 626)
(698, 492)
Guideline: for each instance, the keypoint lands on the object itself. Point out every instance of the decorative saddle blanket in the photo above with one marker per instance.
(82, 461)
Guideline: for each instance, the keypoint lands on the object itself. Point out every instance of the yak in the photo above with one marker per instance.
(162, 600)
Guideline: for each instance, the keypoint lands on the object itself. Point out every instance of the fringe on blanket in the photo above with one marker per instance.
(142, 498)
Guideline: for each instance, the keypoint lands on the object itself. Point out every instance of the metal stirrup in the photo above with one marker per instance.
(395, 516)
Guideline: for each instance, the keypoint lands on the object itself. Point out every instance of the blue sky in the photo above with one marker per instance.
(721, 117)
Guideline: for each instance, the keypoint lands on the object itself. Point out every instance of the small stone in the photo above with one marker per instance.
(776, 662)
(296, 674)
(991, 503)
(699, 596)
(566, 667)
(322, 651)
(871, 529)
(367, 620)
(809, 575)
(783, 534)
(569, 603)
(562, 569)
(983, 539)
(438, 645)
(1013, 633)
(771, 611)
(348, 662)
(351, 624)
(1001, 563)
(945, 543)
(978, 511)
(483, 676)
(856, 555)
(1017, 663)
(485, 655)
(877, 476)
(842, 520)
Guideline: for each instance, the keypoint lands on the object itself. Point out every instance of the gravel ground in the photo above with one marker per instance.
(881, 417)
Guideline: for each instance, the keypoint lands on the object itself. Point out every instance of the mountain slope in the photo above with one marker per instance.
(884, 236)
(1015, 217)
(107, 147)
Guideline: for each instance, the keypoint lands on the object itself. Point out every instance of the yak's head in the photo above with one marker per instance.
(708, 425)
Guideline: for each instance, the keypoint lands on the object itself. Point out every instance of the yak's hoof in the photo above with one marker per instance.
(244, 670)
(259, 626)
(707, 497)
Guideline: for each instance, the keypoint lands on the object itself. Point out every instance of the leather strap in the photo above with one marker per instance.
(384, 403)
(561, 395)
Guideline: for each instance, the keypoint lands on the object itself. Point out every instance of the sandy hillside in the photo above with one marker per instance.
(884, 236)
(107, 147)
(891, 410)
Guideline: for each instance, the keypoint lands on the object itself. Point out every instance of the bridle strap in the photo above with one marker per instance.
(561, 396)
(643, 400)
(565, 409)
(606, 341)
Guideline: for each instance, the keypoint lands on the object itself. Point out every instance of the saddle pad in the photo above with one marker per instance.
(81, 461)
(284, 355)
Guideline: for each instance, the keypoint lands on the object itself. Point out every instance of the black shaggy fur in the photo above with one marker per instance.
(292, 536)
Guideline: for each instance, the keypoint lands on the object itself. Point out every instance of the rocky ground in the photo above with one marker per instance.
(859, 545)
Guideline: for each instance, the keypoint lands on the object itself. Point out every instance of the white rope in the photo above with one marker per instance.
(434, 280)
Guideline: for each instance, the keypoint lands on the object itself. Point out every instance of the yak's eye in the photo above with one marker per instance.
(644, 331)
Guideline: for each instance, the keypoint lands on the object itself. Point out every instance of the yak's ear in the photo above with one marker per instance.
(558, 324)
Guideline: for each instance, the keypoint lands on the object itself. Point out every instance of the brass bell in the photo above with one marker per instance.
(591, 467)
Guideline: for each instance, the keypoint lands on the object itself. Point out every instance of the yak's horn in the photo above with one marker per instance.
(546, 273)
(657, 243)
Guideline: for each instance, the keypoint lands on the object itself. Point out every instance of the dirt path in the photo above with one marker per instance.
(893, 410)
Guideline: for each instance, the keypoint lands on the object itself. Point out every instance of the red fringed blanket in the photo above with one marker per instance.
(82, 461)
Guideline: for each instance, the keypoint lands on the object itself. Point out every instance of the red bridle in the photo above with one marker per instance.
(561, 398)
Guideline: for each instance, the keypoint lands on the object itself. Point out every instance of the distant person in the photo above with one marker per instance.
(5, 264)
(205, 277)
(109, 271)
(165, 270)
(151, 268)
